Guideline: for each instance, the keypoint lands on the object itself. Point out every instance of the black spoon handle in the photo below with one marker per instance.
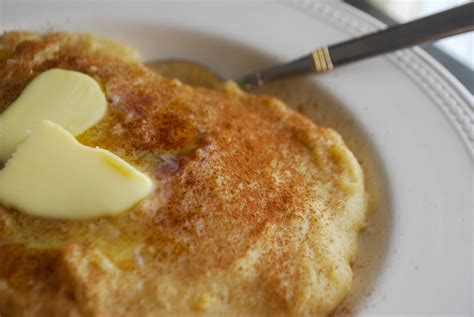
(433, 27)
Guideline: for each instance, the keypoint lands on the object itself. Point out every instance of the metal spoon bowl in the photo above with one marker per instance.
(187, 71)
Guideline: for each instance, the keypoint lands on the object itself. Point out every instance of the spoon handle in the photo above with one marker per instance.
(433, 27)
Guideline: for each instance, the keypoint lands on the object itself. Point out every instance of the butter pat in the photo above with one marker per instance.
(52, 175)
(71, 99)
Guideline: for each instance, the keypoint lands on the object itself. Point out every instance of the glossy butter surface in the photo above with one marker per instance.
(71, 99)
(51, 175)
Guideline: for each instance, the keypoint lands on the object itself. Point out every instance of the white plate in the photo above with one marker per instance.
(406, 118)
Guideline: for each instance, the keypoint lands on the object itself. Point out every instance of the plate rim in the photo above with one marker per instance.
(446, 91)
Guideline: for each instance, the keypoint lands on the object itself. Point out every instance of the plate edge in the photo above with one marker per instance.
(443, 88)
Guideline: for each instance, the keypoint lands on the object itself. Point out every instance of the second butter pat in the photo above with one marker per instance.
(52, 175)
(71, 99)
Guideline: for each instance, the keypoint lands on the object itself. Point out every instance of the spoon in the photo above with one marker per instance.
(433, 27)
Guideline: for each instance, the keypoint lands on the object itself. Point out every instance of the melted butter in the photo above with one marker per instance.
(4, 54)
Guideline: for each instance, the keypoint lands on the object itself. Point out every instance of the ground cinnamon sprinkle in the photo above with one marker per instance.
(248, 203)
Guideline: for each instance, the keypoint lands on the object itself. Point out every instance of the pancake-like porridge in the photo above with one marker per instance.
(255, 210)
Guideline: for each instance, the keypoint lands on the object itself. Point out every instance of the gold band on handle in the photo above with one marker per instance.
(328, 58)
(322, 60)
